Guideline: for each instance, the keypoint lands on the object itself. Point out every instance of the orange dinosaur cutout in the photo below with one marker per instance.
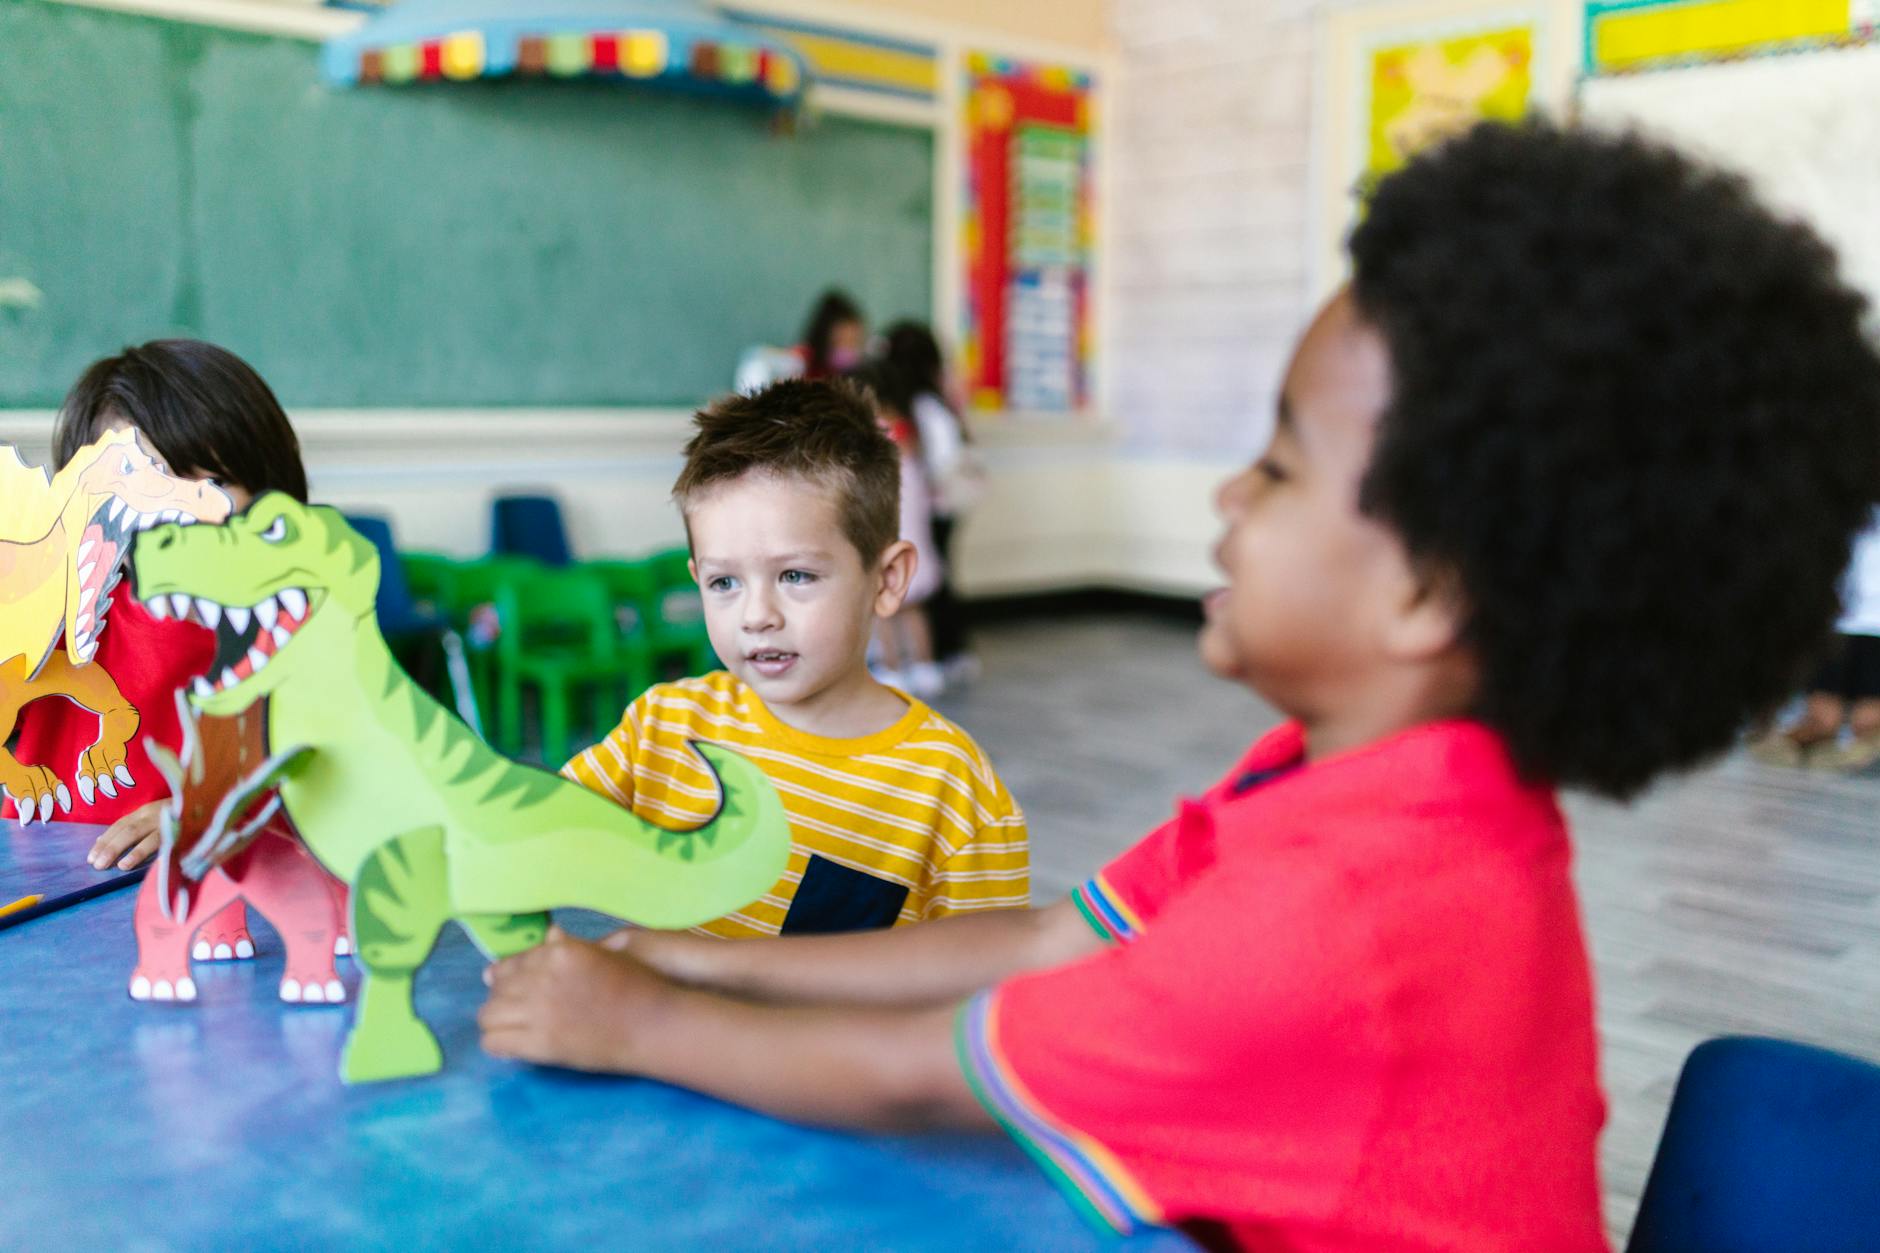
(63, 544)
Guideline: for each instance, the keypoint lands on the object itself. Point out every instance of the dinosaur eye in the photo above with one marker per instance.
(276, 532)
(126, 471)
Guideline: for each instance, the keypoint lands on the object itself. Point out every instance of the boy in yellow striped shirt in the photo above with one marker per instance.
(791, 500)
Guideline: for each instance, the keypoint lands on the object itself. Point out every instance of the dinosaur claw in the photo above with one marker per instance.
(124, 776)
(45, 806)
(26, 811)
(244, 949)
(223, 953)
(342, 946)
(201, 952)
(313, 994)
(162, 991)
(140, 989)
(87, 789)
(335, 991)
(65, 799)
(106, 786)
(186, 989)
(290, 990)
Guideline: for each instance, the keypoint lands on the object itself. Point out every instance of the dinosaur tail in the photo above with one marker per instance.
(613, 861)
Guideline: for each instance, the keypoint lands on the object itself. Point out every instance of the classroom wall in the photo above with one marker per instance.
(1212, 146)
(1083, 24)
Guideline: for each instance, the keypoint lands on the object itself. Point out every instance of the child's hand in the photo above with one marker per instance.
(130, 841)
(569, 1003)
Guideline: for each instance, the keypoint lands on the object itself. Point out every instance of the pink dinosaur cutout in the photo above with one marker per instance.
(221, 816)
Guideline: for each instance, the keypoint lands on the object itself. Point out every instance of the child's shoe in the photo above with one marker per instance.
(1778, 748)
(960, 668)
(1860, 753)
(925, 680)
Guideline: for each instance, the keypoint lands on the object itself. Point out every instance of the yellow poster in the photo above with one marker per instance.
(1424, 91)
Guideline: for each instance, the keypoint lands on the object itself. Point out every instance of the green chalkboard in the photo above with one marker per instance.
(495, 243)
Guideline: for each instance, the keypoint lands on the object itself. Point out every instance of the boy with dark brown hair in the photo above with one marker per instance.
(791, 500)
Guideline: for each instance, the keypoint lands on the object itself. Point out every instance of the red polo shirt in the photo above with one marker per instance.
(1347, 1006)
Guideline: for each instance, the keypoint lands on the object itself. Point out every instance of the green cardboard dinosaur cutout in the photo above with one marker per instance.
(397, 797)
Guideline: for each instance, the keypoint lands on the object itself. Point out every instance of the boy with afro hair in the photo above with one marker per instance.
(1559, 492)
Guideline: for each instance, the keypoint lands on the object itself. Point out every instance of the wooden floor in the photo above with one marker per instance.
(1743, 899)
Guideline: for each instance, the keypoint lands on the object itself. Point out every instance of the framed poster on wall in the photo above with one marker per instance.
(1394, 78)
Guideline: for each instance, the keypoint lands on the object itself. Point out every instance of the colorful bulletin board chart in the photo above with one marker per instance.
(1028, 228)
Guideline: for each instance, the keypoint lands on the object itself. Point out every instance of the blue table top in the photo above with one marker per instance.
(166, 1126)
(48, 859)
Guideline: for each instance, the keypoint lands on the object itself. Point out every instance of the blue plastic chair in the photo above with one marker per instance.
(1769, 1146)
(529, 526)
(398, 610)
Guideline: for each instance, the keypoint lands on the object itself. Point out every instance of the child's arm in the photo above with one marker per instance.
(571, 1003)
(923, 964)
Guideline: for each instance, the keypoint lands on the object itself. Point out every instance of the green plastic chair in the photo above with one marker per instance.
(677, 614)
(558, 635)
(467, 593)
(428, 575)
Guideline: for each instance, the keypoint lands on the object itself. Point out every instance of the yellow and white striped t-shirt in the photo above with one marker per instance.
(906, 824)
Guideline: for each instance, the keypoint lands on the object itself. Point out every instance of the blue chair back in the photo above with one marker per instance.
(398, 612)
(529, 526)
(1769, 1146)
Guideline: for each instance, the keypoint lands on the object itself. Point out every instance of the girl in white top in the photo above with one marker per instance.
(953, 472)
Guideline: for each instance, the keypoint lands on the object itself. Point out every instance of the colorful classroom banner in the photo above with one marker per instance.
(1028, 230)
(1628, 35)
(857, 60)
(422, 41)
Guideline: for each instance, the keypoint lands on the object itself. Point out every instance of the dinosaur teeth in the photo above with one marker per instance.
(180, 606)
(281, 636)
(294, 601)
(117, 507)
(209, 611)
(84, 549)
(170, 515)
(256, 660)
(84, 572)
(238, 618)
(157, 607)
(203, 687)
(229, 678)
(266, 612)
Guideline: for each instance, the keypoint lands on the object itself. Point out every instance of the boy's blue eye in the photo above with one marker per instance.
(722, 583)
(797, 577)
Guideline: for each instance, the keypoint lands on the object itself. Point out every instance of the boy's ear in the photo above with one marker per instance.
(898, 563)
(1430, 616)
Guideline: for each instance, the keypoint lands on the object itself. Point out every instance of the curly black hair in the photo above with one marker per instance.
(1635, 417)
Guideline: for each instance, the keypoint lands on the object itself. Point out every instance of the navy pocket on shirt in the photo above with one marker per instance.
(833, 897)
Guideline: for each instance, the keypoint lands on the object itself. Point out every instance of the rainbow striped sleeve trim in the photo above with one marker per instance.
(1105, 911)
(1098, 1185)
